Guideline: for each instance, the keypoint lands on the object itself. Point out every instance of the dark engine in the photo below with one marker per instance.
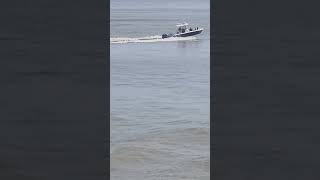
(166, 35)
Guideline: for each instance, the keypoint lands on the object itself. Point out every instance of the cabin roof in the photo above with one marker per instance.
(181, 25)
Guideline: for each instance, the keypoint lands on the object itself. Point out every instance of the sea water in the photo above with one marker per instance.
(159, 91)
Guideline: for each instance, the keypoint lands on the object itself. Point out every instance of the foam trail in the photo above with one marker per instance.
(157, 38)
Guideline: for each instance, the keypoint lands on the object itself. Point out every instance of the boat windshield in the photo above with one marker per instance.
(182, 29)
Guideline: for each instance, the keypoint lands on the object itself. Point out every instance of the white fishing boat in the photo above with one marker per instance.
(183, 31)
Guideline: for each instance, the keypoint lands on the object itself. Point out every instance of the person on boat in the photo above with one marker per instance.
(190, 29)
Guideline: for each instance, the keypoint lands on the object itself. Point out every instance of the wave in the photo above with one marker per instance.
(156, 38)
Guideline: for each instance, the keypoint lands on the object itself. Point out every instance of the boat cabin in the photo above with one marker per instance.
(182, 28)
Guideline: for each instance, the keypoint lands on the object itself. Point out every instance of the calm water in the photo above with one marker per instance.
(159, 91)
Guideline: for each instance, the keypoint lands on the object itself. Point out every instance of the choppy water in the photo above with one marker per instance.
(159, 91)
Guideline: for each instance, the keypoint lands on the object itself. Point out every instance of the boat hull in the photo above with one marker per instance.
(190, 33)
(185, 34)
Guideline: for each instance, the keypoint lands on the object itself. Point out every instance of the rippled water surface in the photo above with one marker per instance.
(159, 91)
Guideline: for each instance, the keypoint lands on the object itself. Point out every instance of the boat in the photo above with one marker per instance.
(183, 31)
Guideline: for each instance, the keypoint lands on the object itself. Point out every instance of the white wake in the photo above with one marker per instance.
(121, 40)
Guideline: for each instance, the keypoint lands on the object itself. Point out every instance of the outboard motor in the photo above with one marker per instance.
(164, 36)
(167, 35)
